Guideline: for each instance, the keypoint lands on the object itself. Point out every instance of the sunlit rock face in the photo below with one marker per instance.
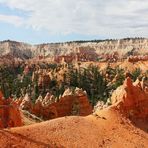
(70, 103)
(74, 103)
(26, 103)
(132, 99)
(111, 50)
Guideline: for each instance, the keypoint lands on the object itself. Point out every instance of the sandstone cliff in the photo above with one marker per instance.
(83, 51)
(132, 99)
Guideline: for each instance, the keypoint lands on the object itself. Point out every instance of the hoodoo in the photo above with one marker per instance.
(9, 113)
(132, 99)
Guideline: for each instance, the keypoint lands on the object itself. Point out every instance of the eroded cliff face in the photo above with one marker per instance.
(132, 99)
(88, 51)
(70, 103)
(9, 113)
(15, 49)
(123, 47)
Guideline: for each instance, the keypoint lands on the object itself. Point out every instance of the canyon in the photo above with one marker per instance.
(113, 126)
(74, 94)
(79, 51)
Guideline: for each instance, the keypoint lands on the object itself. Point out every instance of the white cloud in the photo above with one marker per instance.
(108, 18)
(11, 19)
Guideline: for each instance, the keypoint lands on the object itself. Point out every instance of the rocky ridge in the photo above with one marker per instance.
(70, 103)
(84, 51)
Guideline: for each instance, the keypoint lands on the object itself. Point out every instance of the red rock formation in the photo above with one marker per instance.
(26, 103)
(18, 101)
(111, 57)
(63, 58)
(138, 58)
(82, 55)
(131, 99)
(37, 108)
(69, 104)
(49, 112)
(74, 104)
(9, 113)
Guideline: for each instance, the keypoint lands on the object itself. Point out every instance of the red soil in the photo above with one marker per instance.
(107, 128)
(110, 127)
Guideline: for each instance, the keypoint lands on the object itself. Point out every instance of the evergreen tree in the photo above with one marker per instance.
(35, 92)
(136, 74)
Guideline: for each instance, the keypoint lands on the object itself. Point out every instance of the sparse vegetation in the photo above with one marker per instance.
(136, 73)
(99, 85)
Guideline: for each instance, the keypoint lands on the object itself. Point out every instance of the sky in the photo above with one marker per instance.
(43, 21)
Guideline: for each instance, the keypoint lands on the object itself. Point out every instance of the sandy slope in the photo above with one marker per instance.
(106, 129)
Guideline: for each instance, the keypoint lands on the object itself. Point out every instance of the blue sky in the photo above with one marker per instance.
(38, 21)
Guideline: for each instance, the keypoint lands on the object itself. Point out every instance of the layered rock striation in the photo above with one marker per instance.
(77, 51)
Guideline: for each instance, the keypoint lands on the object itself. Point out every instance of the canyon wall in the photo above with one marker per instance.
(122, 48)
